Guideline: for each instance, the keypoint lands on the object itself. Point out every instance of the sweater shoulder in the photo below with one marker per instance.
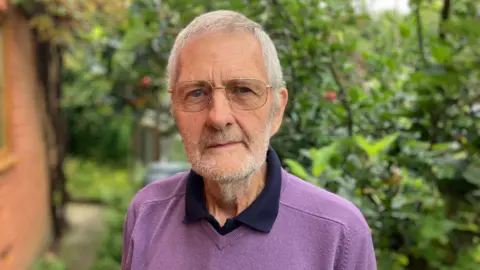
(302, 196)
(160, 191)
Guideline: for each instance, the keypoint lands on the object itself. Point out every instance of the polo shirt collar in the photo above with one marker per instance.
(260, 215)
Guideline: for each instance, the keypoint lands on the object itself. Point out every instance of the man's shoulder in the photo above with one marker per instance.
(313, 201)
(162, 190)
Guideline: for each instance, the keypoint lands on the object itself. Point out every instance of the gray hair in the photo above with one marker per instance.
(227, 20)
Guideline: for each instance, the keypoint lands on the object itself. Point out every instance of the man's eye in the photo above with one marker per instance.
(242, 89)
(196, 93)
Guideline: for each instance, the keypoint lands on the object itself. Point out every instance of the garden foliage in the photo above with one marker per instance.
(383, 108)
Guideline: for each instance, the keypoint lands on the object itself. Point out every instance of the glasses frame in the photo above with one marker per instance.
(172, 91)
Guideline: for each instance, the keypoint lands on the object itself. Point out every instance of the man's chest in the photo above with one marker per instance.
(201, 247)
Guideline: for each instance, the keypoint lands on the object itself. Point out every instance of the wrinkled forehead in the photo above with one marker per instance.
(219, 56)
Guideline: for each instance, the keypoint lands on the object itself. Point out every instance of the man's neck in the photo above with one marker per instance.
(221, 207)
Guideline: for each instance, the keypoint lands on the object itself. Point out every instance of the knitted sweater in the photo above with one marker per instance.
(314, 229)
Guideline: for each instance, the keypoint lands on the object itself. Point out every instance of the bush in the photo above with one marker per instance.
(49, 262)
(415, 223)
(109, 255)
(116, 190)
(113, 185)
(400, 136)
(90, 179)
(99, 133)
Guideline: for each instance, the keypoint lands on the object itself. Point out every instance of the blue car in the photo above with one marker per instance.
(163, 169)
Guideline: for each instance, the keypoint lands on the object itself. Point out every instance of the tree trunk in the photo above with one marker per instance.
(49, 67)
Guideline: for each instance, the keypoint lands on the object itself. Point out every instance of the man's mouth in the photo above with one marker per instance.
(223, 144)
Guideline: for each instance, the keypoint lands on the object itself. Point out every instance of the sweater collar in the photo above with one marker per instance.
(260, 215)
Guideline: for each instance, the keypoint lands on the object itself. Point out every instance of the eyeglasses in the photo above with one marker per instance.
(242, 94)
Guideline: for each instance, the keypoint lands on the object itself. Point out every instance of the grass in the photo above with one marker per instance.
(89, 179)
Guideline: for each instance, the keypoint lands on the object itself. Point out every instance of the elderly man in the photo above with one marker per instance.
(237, 208)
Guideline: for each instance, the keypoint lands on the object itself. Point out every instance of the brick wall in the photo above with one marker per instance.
(24, 211)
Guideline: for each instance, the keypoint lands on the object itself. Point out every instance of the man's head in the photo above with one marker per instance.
(228, 94)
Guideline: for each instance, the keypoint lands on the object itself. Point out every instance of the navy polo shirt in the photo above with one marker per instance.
(260, 215)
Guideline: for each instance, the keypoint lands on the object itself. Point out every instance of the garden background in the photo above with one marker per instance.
(384, 110)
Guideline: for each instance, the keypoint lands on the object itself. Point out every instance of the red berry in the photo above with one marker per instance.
(330, 95)
(146, 81)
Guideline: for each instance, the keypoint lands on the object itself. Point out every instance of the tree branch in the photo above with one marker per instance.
(444, 18)
(420, 35)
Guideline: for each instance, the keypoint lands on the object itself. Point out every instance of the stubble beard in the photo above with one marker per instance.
(235, 178)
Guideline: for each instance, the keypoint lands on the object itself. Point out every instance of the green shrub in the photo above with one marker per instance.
(49, 262)
(415, 224)
(400, 136)
(94, 180)
(99, 133)
(89, 179)
(109, 255)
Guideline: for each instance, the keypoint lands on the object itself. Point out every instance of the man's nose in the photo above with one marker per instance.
(220, 111)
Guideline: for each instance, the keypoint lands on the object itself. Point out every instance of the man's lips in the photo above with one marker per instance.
(223, 144)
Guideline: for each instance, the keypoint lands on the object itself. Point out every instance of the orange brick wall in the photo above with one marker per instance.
(24, 212)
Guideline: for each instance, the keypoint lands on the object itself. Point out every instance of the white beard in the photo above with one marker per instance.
(231, 172)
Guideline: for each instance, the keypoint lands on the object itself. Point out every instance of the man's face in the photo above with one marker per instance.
(224, 143)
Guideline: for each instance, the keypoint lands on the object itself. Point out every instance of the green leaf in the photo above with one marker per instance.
(321, 158)
(434, 229)
(472, 172)
(405, 30)
(441, 146)
(363, 143)
(384, 143)
(468, 27)
(297, 169)
(402, 260)
(136, 35)
(97, 32)
(469, 227)
(441, 52)
(375, 148)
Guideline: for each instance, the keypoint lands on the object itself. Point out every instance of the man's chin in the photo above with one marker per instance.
(223, 170)
(226, 157)
(232, 162)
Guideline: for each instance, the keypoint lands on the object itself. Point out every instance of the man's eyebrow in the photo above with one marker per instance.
(240, 78)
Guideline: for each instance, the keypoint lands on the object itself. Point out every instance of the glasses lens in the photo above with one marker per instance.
(192, 96)
(246, 94)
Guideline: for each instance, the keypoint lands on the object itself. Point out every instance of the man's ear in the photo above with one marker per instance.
(278, 112)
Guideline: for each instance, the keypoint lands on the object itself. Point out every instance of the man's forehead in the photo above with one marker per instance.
(221, 55)
(220, 72)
